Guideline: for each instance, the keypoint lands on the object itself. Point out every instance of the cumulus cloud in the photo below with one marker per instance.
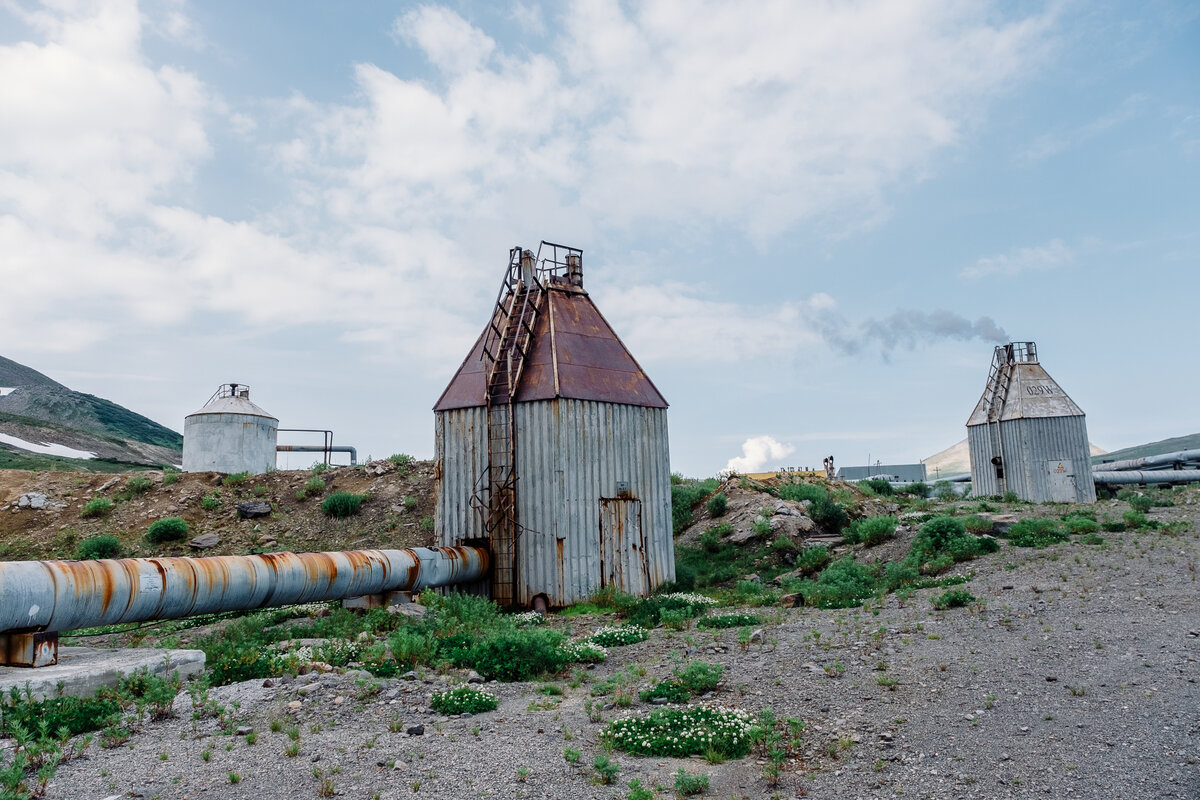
(757, 452)
(1051, 255)
(692, 115)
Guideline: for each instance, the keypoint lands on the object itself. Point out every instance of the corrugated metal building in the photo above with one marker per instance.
(1026, 435)
(908, 473)
(551, 445)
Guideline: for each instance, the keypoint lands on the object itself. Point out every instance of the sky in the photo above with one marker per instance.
(809, 222)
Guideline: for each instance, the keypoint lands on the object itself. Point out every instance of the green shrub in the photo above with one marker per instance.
(649, 612)
(411, 647)
(761, 525)
(943, 541)
(210, 502)
(679, 733)
(843, 584)
(1091, 538)
(606, 769)
(341, 504)
(955, 598)
(728, 621)
(829, 515)
(96, 507)
(916, 489)
(1141, 503)
(410, 503)
(403, 462)
(878, 486)
(812, 560)
(1036, 533)
(1112, 525)
(1138, 520)
(1082, 525)
(314, 485)
(514, 655)
(170, 475)
(167, 529)
(463, 700)
(944, 490)
(710, 540)
(799, 492)
(717, 505)
(977, 525)
(76, 714)
(235, 479)
(687, 784)
(699, 677)
(103, 546)
(871, 530)
(138, 484)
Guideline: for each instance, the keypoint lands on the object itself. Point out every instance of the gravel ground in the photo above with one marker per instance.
(1075, 677)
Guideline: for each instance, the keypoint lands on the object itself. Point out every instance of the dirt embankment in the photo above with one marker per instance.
(398, 511)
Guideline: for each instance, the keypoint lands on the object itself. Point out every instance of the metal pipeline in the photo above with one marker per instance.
(1154, 476)
(1162, 461)
(316, 448)
(49, 596)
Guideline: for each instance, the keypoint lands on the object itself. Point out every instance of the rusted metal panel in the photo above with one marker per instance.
(47, 596)
(28, 649)
(578, 356)
(573, 454)
(623, 546)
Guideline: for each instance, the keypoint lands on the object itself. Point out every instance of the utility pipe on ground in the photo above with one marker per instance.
(39, 598)
(1155, 476)
(1161, 461)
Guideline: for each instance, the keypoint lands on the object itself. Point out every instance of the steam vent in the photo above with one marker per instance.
(230, 434)
(552, 445)
(1026, 435)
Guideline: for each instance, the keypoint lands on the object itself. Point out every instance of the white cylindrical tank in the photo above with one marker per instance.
(230, 434)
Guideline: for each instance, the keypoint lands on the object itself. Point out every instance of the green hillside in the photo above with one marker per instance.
(1190, 442)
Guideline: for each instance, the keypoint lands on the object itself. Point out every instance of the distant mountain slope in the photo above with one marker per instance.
(957, 458)
(1191, 442)
(38, 410)
(14, 374)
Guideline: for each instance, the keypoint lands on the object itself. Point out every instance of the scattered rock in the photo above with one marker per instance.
(34, 500)
(252, 509)
(204, 541)
(242, 730)
(415, 730)
(793, 600)
(757, 636)
(474, 677)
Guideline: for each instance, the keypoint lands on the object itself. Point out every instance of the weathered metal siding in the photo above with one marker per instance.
(229, 443)
(570, 455)
(1028, 445)
(460, 450)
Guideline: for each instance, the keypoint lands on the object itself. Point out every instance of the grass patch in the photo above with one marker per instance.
(96, 507)
(341, 504)
(167, 529)
(686, 494)
(102, 546)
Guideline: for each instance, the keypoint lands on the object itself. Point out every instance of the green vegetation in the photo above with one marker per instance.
(679, 733)
(729, 621)
(955, 598)
(403, 462)
(943, 542)
(463, 700)
(167, 529)
(136, 485)
(717, 505)
(314, 485)
(1036, 533)
(341, 504)
(829, 515)
(695, 679)
(96, 507)
(877, 486)
(799, 492)
(606, 769)
(687, 784)
(103, 546)
(170, 476)
(210, 502)
(686, 494)
(871, 530)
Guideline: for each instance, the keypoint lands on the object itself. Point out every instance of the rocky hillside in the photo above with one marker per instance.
(45, 514)
(42, 421)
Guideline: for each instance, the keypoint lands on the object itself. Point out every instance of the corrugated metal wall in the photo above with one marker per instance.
(570, 455)
(1028, 445)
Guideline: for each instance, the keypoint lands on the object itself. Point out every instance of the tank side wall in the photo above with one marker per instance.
(229, 443)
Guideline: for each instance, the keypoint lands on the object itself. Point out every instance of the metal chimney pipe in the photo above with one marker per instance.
(575, 269)
(43, 597)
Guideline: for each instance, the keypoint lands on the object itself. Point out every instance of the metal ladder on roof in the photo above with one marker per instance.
(506, 345)
(999, 381)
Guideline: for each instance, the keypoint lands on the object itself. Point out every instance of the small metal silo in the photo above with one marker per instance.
(551, 445)
(230, 434)
(1026, 435)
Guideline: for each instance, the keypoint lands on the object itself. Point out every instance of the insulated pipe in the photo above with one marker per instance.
(1165, 460)
(1155, 476)
(49, 596)
(316, 448)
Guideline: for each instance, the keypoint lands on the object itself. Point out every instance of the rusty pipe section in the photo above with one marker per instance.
(47, 596)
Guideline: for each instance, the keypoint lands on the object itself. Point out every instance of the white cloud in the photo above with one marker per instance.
(757, 453)
(1051, 255)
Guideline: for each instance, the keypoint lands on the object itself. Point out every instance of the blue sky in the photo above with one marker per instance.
(810, 223)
